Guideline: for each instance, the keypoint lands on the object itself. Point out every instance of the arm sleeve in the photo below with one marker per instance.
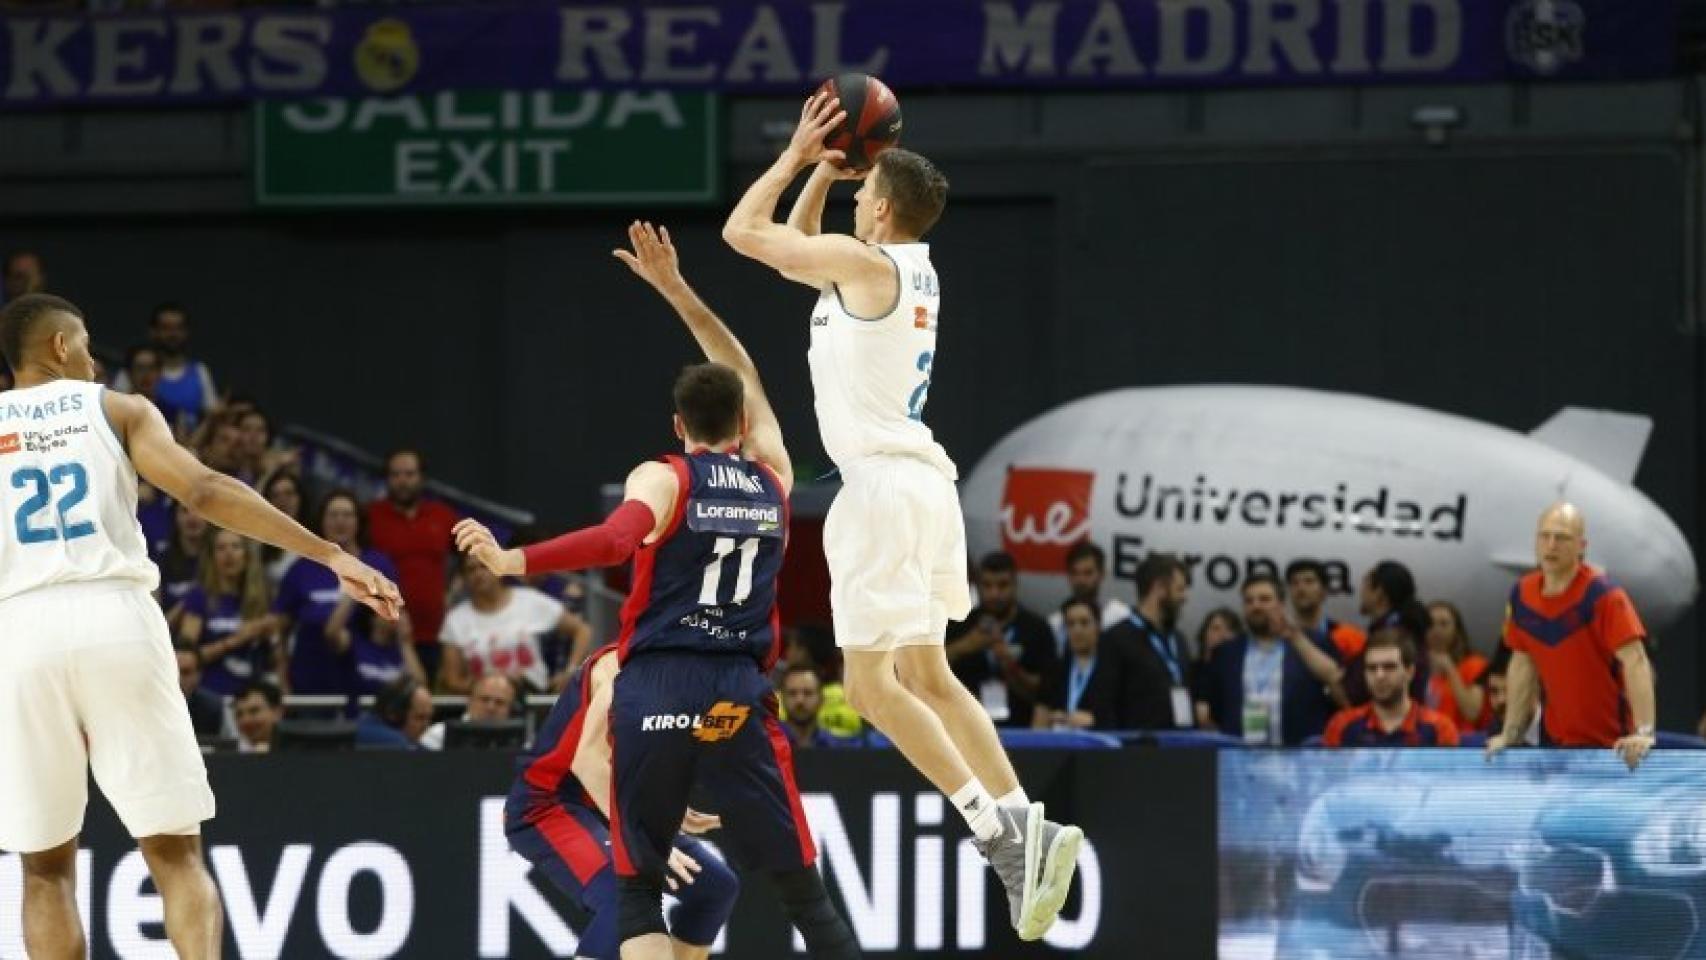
(1514, 638)
(605, 545)
(1619, 624)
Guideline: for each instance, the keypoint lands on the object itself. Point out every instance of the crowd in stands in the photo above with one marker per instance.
(254, 626)
(1282, 673)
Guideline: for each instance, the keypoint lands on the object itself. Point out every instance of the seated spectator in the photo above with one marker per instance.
(1274, 685)
(142, 371)
(207, 709)
(493, 699)
(414, 531)
(1001, 650)
(258, 451)
(1219, 626)
(227, 615)
(802, 698)
(563, 654)
(1145, 667)
(336, 645)
(22, 273)
(283, 489)
(1072, 694)
(1307, 581)
(1454, 689)
(220, 445)
(1086, 568)
(497, 629)
(400, 715)
(180, 562)
(1493, 683)
(1387, 596)
(1391, 718)
(257, 707)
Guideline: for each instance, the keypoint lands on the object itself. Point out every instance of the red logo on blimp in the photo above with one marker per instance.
(9, 443)
(1043, 513)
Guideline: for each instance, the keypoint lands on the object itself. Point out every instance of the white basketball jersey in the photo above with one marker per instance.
(67, 493)
(871, 376)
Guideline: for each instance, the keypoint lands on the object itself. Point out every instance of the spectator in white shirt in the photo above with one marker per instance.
(493, 698)
(497, 630)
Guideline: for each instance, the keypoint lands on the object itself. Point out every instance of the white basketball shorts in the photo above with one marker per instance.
(88, 681)
(896, 545)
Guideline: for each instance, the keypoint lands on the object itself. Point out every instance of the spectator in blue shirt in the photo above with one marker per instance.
(336, 647)
(401, 713)
(226, 614)
(1275, 684)
(802, 698)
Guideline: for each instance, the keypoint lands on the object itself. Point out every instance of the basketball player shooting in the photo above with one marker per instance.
(88, 680)
(895, 538)
(692, 702)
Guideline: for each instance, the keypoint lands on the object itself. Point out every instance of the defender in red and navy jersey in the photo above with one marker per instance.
(555, 818)
(692, 703)
(708, 584)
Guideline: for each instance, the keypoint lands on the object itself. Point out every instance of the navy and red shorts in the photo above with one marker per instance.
(569, 842)
(680, 719)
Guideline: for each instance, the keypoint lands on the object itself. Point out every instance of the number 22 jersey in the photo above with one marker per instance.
(871, 375)
(67, 493)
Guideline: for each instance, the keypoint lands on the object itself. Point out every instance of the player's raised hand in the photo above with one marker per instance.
(821, 114)
(682, 866)
(474, 539)
(367, 585)
(696, 823)
(653, 258)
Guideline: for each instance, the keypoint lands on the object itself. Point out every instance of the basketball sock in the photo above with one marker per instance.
(1014, 798)
(979, 808)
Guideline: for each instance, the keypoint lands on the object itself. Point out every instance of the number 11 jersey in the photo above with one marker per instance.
(67, 493)
(708, 584)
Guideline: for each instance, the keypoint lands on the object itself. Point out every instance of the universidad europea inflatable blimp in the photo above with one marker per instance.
(1239, 478)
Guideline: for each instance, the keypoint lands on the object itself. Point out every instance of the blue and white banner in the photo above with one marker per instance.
(787, 45)
(1439, 853)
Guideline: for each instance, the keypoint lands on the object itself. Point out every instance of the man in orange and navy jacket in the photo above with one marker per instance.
(1576, 633)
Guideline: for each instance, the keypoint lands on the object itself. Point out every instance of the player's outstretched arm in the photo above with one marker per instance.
(647, 505)
(231, 504)
(654, 260)
(816, 261)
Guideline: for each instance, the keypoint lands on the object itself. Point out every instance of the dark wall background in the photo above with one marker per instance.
(1496, 281)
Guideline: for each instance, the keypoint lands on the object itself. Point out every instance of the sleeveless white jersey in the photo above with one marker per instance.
(67, 493)
(871, 376)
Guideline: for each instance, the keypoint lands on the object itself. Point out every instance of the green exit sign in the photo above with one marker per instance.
(495, 147)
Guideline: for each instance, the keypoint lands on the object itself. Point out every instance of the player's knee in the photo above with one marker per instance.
(57, 864)
(868, 690)
(639, 907)
(934, 685)
(706, 904)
